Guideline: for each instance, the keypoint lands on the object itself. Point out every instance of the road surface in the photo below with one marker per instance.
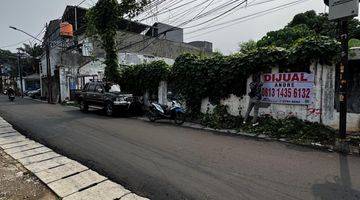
(162, 161)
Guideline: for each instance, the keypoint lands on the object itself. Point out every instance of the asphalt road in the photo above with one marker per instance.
(162, 161)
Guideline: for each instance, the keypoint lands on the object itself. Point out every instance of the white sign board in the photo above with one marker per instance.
(288, 88)
(340, 9)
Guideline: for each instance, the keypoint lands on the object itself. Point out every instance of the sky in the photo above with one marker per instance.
(32, 15)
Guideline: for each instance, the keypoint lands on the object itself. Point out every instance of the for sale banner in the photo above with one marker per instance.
(288, 88)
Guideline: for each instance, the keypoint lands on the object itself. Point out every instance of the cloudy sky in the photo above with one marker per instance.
(250, 21)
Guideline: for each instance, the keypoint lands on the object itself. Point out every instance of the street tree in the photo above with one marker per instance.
(32, 52)
(103, 20)
(247, 46)
(285, 37)
(322, 25)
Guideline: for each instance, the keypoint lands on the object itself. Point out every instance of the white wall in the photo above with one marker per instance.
(322, 109)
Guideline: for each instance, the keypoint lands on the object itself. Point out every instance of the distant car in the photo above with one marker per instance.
(35, 94)
(104, 96)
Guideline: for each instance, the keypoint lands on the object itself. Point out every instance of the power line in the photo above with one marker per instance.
(245, 18)
(83, 1)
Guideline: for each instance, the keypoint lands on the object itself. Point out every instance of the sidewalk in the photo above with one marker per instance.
(68, 179)
(17, 183)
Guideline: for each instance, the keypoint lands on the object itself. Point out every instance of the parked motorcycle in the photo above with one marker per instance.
(174, 112)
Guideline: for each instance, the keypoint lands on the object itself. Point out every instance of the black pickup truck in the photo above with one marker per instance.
(104, 96)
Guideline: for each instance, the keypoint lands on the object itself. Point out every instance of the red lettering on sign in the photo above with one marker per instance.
(286, 77)
(303, 77)
(295, 78)
(267, 77)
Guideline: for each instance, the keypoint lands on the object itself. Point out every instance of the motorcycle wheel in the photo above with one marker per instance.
(179, 118)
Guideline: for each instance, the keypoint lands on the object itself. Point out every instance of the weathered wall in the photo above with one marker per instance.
(145, 45)
(322, 109)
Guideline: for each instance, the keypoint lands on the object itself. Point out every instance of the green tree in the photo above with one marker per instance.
(33, 53)
(285, 37)
(246, 47)
(103, 20)
(322, 26)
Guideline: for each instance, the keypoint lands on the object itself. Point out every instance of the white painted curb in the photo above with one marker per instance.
(67, 178)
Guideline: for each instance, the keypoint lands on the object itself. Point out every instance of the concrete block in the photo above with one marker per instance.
(28, 153)
(4, 124)
(23, 148)
(11, 134)
(12, 140)
(47, 164)
(106, 190)
(17, 144)
(38, 158)
(72, 184)
(6, 130)
(133, 196)
(54, 174)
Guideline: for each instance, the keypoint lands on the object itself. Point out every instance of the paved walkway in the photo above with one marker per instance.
(67, 178)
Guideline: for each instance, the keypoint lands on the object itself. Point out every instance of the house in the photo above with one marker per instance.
(77, 60)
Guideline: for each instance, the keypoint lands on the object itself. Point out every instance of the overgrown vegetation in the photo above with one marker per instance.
(291, 128)
(138, 79)
(218, 76)
(294, 129)
(221, 119)
(103, 20)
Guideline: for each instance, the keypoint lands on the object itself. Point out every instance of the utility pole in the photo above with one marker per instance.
(344, 77)
(342, 11)
(20, 74)
(48, 68)
(76, 18)
(47, 52)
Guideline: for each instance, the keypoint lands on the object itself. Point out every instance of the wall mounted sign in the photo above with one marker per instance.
(288, 88)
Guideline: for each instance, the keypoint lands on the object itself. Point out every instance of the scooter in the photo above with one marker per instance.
(174, 112)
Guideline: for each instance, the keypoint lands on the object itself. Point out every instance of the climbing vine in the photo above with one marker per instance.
(195, 78)
(216, 77)
(102, 20)
(138, 79)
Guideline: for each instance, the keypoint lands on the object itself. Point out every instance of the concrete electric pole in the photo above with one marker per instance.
(342, 11)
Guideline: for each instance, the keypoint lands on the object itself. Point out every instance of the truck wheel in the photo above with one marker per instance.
(151, 115)
(84, 107)
(179, 118)
(109, 109)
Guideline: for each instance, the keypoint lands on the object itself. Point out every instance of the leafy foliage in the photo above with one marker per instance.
(103, 20)
(33, 52)
(218, 76)
(307, 24)
(220, 119)
(138, 79)
(285, 37)
(294, 129)
(248, 46)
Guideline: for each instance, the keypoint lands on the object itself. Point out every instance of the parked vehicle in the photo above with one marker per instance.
(104, 96)
(174, 112)
(35, 94)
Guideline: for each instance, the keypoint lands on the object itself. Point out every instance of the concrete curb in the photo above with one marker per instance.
(329, 148)
(67, 178)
